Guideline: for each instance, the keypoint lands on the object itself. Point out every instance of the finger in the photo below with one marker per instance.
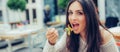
(51, 31)
(53, 39)
(51, 36)
(56, 32)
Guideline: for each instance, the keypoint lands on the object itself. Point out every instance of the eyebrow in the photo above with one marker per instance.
(75, 10)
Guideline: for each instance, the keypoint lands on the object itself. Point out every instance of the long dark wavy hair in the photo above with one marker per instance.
(92, 30)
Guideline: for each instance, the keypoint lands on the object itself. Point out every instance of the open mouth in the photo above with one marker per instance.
(75, 26)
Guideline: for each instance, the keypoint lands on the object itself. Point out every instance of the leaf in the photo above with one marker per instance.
(68, 30)
(62, 3)
(16, 4)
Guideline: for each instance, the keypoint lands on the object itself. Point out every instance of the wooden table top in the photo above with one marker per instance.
(19, 33)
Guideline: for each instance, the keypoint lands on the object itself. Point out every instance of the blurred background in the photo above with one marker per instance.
(23, 23)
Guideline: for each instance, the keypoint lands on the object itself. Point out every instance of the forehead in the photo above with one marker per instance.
(75, 6)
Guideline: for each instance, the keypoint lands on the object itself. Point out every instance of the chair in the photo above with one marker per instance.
(37, 43)
(17, 42)
(26, 49)
(111, 22)
(3, 44)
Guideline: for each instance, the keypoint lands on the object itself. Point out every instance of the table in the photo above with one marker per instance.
(21, 32)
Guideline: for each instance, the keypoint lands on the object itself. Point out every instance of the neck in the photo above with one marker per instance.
(82, 35)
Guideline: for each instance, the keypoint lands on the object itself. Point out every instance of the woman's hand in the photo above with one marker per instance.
(52, 35)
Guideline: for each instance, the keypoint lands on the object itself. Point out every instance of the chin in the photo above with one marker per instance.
(76, 32)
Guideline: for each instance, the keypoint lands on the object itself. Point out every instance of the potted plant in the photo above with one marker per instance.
(16, 6)
(62, 4)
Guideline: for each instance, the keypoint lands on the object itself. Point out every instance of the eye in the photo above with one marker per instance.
(70, 13)
(80, 13)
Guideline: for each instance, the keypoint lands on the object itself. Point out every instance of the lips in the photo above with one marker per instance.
(75, 26)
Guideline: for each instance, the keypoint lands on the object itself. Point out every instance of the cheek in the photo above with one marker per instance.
(69, 19)
(82, 20)
(82, 23)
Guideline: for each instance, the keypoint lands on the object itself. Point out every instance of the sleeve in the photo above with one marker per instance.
(57, 47)
(110, 46)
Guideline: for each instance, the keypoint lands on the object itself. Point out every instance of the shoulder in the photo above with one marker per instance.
(106, 36)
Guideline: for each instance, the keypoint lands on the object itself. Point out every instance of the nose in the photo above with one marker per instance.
(73, 17)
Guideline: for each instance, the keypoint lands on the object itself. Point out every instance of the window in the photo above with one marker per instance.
(27, 15)
(0, 2)
(0, 16)
(33, 1)
(34, 13)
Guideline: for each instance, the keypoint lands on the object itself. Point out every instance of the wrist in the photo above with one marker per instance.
(51, 43)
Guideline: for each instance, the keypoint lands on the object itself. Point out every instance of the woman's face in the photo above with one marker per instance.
(76, 17)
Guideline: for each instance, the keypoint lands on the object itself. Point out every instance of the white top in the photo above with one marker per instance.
(61, 44)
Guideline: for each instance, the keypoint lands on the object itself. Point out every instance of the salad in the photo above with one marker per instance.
(68, 30)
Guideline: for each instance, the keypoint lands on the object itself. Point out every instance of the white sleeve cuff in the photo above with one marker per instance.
(48, 47)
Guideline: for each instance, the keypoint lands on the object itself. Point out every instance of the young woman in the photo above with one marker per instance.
(86, 34)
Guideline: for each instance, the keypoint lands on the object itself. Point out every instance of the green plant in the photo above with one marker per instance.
(62, 3)
(17, 4)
